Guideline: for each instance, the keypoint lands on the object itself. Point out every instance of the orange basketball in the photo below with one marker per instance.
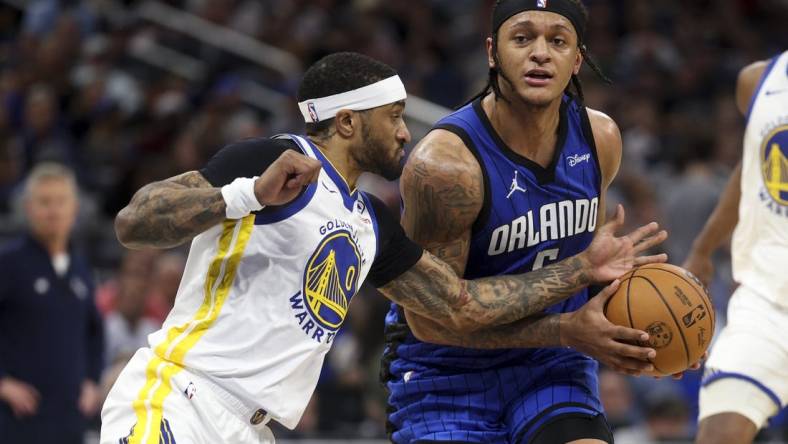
(672, 306)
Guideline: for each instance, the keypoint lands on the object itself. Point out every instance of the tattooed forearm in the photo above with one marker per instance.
(170, 212)
(542, 330)
(432, 289)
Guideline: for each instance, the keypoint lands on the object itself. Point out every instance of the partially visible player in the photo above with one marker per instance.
(746, 378)
(509, 183)
(277, 259)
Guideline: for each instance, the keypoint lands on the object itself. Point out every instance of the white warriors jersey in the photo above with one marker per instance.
(760, 241)
(262, 297)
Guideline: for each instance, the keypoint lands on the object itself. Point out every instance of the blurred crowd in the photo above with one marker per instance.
(124, 98)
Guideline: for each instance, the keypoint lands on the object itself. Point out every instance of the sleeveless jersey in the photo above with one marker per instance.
(262, 297)
(760, 240)
(532, 216)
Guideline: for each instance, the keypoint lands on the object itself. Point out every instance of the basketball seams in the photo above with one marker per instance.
(672, 315)
(632, 324)
(629, 309)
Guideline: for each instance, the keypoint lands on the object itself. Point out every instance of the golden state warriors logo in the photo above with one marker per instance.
(331, 279)
(774, 164)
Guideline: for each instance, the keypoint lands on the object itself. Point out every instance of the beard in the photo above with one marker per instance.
(377, 157)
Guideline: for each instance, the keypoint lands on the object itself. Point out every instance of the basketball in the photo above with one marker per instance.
(672, 306)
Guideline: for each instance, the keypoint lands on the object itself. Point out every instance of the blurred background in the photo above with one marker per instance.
(128, 92)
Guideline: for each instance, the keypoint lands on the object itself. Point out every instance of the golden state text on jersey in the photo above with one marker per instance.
(330, 281)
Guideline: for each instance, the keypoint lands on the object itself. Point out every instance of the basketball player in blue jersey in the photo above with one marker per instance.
(746, 378)
(276, 259)
(512, 182)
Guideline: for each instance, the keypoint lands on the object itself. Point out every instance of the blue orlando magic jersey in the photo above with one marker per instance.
(532, 216)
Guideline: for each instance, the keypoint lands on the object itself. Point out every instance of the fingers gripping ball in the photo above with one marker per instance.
(672, 306)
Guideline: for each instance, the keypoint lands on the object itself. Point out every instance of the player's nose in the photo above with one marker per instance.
(403, 135)
(539, 51)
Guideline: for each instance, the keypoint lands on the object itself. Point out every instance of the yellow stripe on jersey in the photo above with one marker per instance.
(149, 405)
(221, 272)
(169, 355)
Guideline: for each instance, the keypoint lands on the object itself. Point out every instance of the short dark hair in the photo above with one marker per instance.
(337, 73)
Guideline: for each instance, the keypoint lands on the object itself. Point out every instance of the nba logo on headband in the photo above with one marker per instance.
(541, 3)
(312, 112)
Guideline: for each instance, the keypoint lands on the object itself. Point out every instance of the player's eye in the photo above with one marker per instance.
(558, 41)
(519, 38)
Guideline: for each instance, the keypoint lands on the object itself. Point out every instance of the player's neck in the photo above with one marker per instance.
(530, 131)
(339, 156)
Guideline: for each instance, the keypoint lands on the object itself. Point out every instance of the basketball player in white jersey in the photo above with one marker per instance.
(746, 378)
(277, 258)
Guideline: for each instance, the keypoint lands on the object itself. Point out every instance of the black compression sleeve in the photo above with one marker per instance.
(247, 158)
(396, 253)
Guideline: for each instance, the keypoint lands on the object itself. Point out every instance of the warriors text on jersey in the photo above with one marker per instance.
(531, 216)
(263, 297)
(760, 241)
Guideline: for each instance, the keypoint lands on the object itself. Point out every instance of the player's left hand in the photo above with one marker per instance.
(89, 399)
(588, 331)
(610, 256)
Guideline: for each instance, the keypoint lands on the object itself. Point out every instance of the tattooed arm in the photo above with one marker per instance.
(168, 213)
(433, 290)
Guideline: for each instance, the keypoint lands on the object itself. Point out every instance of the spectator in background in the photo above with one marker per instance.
(50, 332)
(617, 398)
(167, 272)
(126, 327)
(667, 418)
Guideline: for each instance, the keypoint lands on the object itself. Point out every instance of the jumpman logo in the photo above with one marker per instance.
(515, 186)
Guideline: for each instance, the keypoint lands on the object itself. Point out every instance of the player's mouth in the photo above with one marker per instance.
(538, 77)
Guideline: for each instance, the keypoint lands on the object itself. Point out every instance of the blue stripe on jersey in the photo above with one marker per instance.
(534, 216)
(285, 211)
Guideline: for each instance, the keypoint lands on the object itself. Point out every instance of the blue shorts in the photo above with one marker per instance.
(507, 404)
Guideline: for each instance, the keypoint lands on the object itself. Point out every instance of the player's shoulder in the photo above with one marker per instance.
(443, 151)
(607, 139)
(605, 129)
(747, 83)
(264, 143)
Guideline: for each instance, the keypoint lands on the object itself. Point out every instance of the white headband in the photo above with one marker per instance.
(381, 93)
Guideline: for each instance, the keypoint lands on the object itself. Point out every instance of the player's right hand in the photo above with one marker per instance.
(21, 397)
(284, 180)
(610, 256)
(588, 331)
(700, 265)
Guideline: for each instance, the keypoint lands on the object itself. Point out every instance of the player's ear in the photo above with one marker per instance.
(490, 57)
(347, 123)
(578, 62)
